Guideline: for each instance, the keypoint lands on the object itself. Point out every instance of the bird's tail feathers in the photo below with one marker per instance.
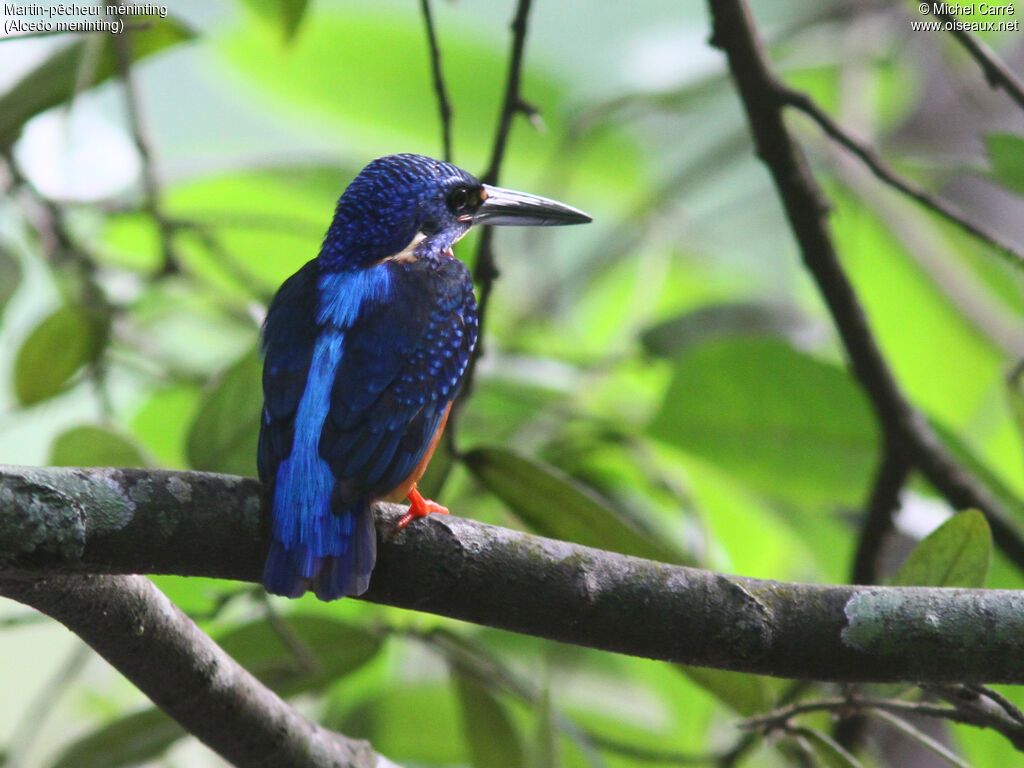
(349, 572)
(331, 553)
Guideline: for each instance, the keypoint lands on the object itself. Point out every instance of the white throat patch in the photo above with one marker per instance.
(408, 253)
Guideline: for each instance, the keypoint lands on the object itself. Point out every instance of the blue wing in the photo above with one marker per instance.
(289, 335)
(359, 370)
(403, 365)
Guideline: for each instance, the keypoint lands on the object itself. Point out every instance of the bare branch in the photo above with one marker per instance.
(806, 208)
(921, 738)
(56, 521)
(870, 157)
(131, 624)
(513, 101)
(443, 104)
(845, 706)
(996, 72)
(893, 471)
(485, 271)
(1011, 709)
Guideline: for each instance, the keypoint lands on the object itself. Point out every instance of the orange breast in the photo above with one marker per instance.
(403, 488)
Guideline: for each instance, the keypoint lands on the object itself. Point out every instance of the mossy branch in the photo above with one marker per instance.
(91, 521)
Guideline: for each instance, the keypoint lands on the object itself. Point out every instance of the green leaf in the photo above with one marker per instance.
(889, 280)
(90, 446)
(956, 554)
(745, 694)
(57, 79)
(161, 423)
(328, 650)
(286, 14)
(556, 506)
(794, 426)
(490, 734)
(225, 430)
(10, 277)
(1006, 153)
(300, 653)
(401, 699)
(1015, 394)
(971, 461)
(130, 740)
(677, 334)
(54, 351)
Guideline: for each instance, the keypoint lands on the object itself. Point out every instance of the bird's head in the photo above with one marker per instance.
(406, 200)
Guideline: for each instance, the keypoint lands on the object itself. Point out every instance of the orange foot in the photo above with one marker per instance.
(418, 507)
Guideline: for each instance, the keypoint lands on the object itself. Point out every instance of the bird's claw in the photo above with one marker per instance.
(418, 507)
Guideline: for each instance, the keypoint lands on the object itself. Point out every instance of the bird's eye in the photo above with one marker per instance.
(458, 200)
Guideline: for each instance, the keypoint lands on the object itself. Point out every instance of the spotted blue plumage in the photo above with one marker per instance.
(361, 361)
(364, 350)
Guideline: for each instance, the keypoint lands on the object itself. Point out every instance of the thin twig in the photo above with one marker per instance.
(151, 186)
(996, 72)
(48, 219)
(50, 222)
(806, 208)
(813, 734)
(513, 101)
(225, 260)
(654, 755)
(463, 653)
(871, 158)
(855, 704)
(1011, 709)
(485, 271)
(305, 656)
(892, 475)
(921, 738)
(443, 104)
(929, 248)
(890, 479)
(980, 705)
(843, 705)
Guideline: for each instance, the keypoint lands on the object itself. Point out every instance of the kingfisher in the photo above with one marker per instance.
(364, 351)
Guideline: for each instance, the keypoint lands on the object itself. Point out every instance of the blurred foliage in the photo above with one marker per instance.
(956, 554)
(664, 382)
(75, 67)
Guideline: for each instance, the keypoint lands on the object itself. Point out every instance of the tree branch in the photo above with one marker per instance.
(484, 269)
(968, 713)
(806, 207)
(57, 521)
(443, 104)
(893, 471)
(870, 157)
(129, 622)
(996, 72)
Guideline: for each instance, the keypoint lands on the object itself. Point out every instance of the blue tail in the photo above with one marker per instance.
(342, 571)
(330, 551)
